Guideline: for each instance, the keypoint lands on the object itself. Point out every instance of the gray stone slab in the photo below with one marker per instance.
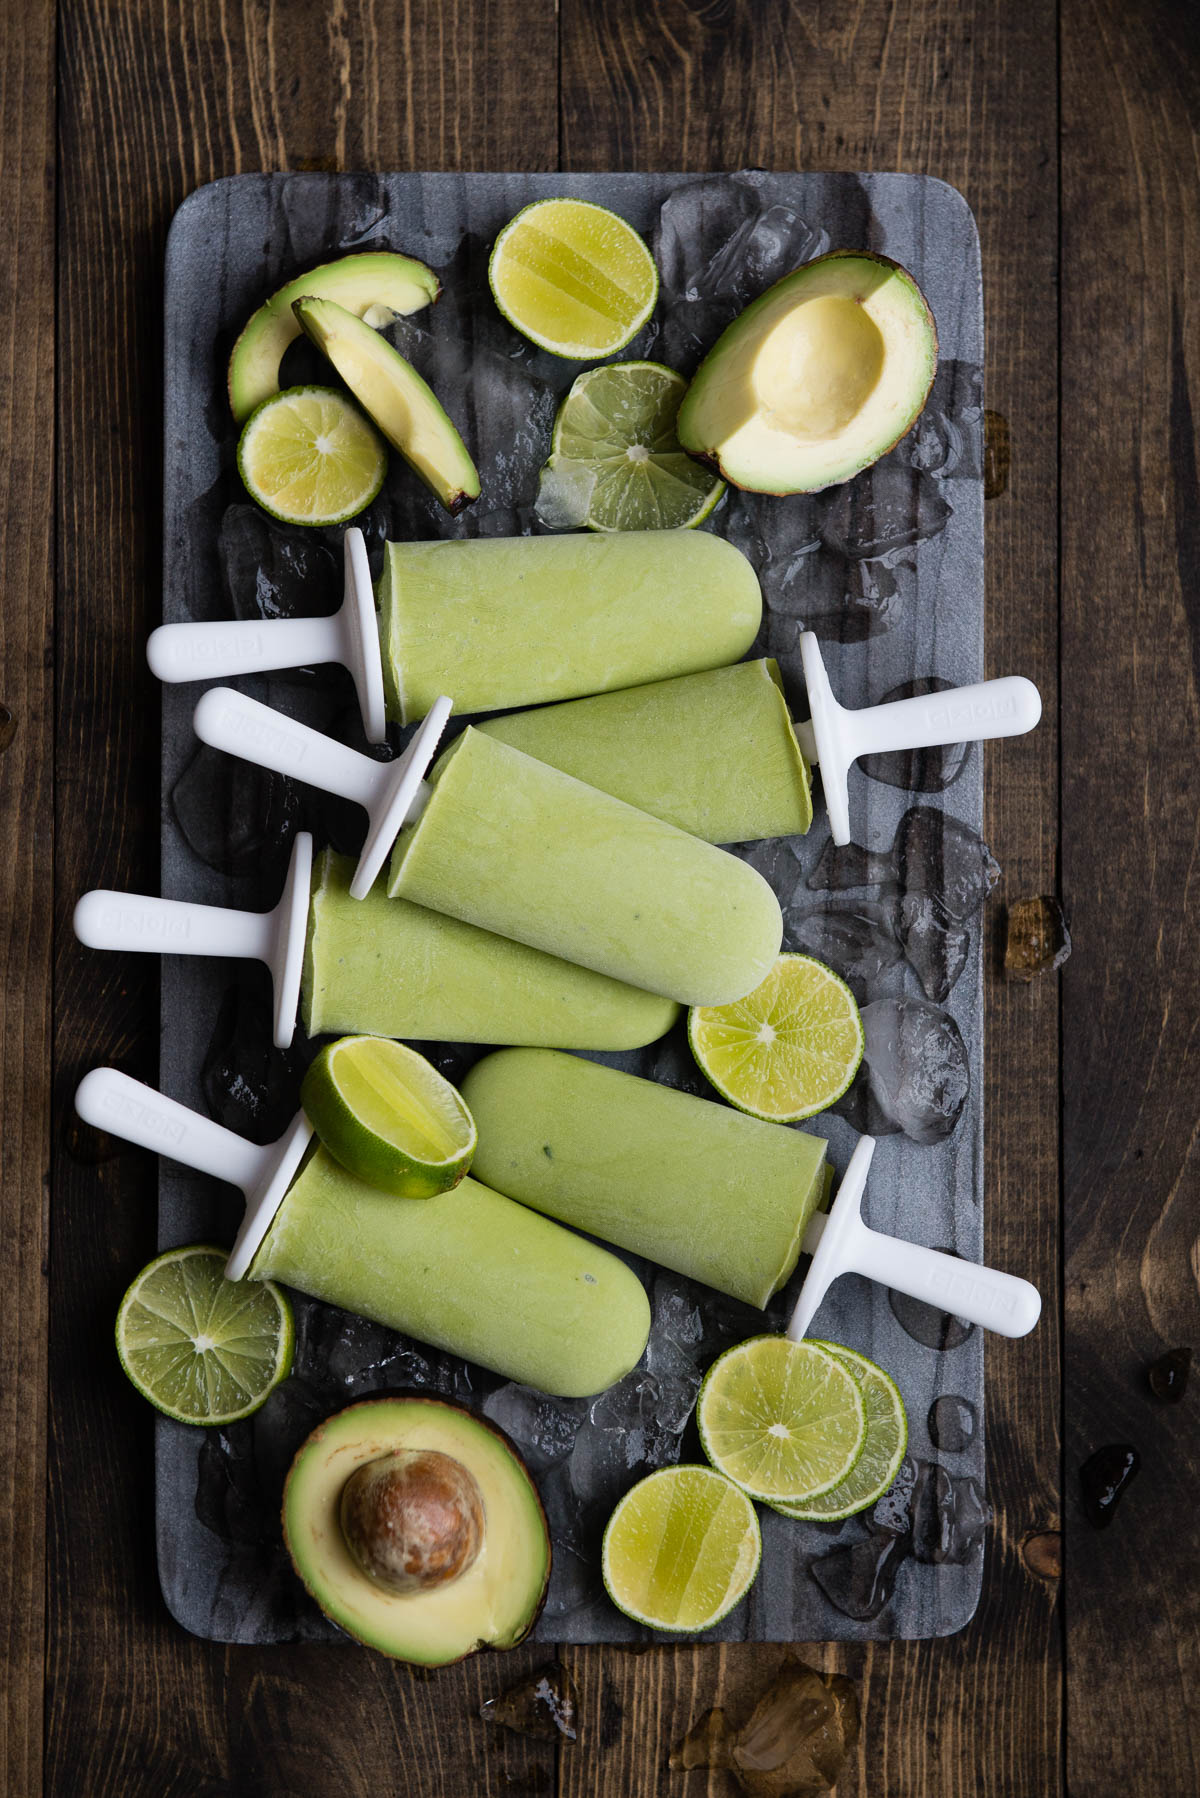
(902, 546)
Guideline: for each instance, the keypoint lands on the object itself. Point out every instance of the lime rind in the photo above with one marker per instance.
(797, 1037)
(388, 1116)
(614, 433)
(308, 456)
(719, 1494)
(552, 267)
(181, 1299)
(865, 1484)
(782, 1420)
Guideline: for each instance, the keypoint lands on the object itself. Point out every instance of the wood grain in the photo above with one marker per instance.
(1131, 832)
(967, 93)
(26, 808)
(153, 101)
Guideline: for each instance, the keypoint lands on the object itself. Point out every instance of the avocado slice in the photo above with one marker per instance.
(818, 378)
(404, 407)
(377, 285)
(439, 1575)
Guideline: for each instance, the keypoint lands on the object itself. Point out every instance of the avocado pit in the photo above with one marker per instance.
(413, 1519)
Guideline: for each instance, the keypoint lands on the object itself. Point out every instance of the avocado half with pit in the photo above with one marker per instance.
(377, 285)
(417, 1528)
(405, 407)
(817, 379)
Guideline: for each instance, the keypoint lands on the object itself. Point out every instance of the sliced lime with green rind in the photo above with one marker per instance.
(883, 1450)
(784, 1420)
(388, 1116)
(788, 1049)
(202, 1348)
(573, 277)
(614, 447)
(681, 1549)
(308, 456)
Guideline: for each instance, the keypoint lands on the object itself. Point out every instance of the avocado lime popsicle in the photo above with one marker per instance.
(385, 967)
(469, 1272)
(693, 1185)
(519, 848)
(499, 622)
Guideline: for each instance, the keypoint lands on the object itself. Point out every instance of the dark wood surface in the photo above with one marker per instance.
(1072, 131)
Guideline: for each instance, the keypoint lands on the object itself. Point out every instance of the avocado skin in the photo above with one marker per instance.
(363, 1407)
(703, 452)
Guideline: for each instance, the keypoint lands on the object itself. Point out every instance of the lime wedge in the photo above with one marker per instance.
(388, 1116)
(308, 456)
(788, 1049)
(883, 1450)
(573, 278)
(681, 1548)
(202, 1348)
(615, 454)
(784, 1420)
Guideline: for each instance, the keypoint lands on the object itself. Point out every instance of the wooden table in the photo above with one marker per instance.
(1072, 130)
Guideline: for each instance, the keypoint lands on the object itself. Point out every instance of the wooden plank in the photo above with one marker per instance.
(1131, 993)
(26, 809)
(966, 93)
(154, 101)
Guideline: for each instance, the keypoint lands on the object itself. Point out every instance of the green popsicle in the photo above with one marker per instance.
(713, 753)
(385, 967)
(508, 621)
(702, 1189)
(468, 1272)
(520, 849)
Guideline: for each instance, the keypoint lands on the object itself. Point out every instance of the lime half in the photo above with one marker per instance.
(615, 462)
(573, 278)
(784, 1420)
(788, 1049)
(202, 1348)
(681, 1548)
(388, 1116)
(883, 1450)
(308, 456)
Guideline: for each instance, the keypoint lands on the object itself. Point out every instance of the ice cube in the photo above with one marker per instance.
(859, 1578)
(934, 946)
(543, 1429)
(1038, 940)
(950, 1515)
(927, 1325)
(917, 770)
(874, 594)
(917, 1067)
(544, 1705)
(947, 440)
(795, 1742)
(843, 866)
(236, 817)
(249, 1085)
(888, 507)
(565, 489)
(858, 940)
(229, 1497)
(697, 224)
(271, 571)
(936, 853)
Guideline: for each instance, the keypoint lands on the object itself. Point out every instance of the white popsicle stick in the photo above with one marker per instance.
(107, 920)
(124, 1107)
(835, 737)
(390, 792)
(218, 651)
(840, 1243)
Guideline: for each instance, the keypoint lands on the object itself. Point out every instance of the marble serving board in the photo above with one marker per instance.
(889, 570)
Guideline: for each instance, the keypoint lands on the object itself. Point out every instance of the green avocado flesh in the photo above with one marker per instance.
(816, 379)
(377, 285)
(493, 1603)
(406, 410)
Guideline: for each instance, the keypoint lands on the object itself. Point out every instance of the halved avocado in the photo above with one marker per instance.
(817, 379)
(377, 285)
(466, 1587)
(404, 407)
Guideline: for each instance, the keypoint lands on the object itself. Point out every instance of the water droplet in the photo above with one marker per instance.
(925, 1323)
(951, 1423)
(1168, 1376)
(1104, 1478)
(544, 1705)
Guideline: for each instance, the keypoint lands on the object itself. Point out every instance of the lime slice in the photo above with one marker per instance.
(681, 1548)
(388, 1116)
(788, 1049)
(615, 447)
(309, 457)
(784, 1420)
(883, 1450)
(202, 1348)
(573, 278)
